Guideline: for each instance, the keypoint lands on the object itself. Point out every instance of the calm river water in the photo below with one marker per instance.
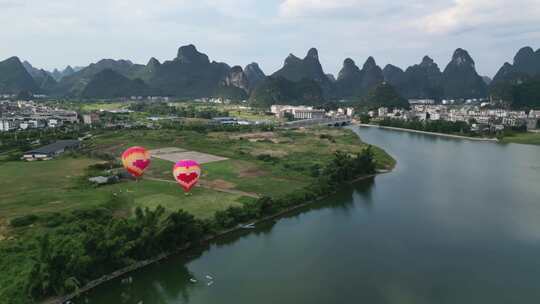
(455, 222)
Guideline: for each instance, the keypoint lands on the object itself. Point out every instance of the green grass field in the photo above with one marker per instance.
(60, 185)
(201, 202)
(238, 111)
(52, 186)
(528, 138)
(41, 186)
(105, 106)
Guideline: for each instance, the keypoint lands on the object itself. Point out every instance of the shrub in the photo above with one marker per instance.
(24, 220)
(267, 158)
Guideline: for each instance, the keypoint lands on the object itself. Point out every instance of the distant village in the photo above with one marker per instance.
(481, 115)
(23, 115)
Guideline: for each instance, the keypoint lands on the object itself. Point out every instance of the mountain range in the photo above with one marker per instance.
(191, 74)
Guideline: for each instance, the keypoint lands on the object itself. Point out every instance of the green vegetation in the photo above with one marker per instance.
(278, 90)
(96, 106)
(41, 186)
(248, 114)
(384, 95)
(74, 248)
(58, 185)
(14, 78)
(110, 84)
(437, 126)
(460, 79)
(189, 110)
(519, 83)
(526, 138)
(526, 94)
(18, 142)
(64, 232)
(461, 128)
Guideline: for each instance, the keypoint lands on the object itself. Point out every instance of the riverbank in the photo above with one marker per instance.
(431, 133)
(205, 242)
(526, 138)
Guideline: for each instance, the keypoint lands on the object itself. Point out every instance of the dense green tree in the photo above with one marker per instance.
(385, 95)
(278, 90)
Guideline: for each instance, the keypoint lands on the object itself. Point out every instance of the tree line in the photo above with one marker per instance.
(437, 126)
(190, 111)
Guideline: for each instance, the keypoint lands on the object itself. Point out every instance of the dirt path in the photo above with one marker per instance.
(204, 184)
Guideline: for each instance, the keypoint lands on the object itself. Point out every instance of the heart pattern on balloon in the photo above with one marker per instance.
(136, 160)
(188, 178)
(141, 164)
(187, 173)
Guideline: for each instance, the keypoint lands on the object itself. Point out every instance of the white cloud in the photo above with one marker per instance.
(306, 7)
(471, 14)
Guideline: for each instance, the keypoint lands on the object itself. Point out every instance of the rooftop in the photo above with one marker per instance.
(57, 146)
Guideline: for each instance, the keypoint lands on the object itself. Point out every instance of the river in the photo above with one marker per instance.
(455, 222)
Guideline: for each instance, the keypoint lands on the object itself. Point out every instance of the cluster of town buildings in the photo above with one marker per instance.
(151, 98)
(216, 100)
(22, 115)
(304, 112)
(480, 116)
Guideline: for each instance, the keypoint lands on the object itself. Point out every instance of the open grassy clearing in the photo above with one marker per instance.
(264, 163)
(293, 154)
(58, 185)
(104, 106)
(527, 138)
(44, 186)
(202, 202)
(237, 111)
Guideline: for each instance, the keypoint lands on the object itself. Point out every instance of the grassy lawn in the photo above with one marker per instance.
(238, 111)
(51, 186)
(528, 138)
(294, 153)
(105, 106)
(44, 186)
(251, 115)
(202, 202)
(249, 177)
(290, 157)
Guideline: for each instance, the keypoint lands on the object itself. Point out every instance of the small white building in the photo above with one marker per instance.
(421, 101)
(8, 125)
(298, 112)
(53, 123)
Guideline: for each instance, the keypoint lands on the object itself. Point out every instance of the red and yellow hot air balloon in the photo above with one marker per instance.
(136, 160)
(187, 173)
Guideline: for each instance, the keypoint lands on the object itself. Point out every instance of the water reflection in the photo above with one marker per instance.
(169, 281)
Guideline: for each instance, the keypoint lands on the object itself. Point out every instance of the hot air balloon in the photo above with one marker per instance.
(136, 160)
(187, 173)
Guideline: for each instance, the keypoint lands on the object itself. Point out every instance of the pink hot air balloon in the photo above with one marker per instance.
(136, 160)
(187, 173)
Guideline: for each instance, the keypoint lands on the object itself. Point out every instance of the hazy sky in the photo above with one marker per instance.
(54, 33)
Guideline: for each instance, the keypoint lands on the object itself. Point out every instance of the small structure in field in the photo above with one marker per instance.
(52, 150)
